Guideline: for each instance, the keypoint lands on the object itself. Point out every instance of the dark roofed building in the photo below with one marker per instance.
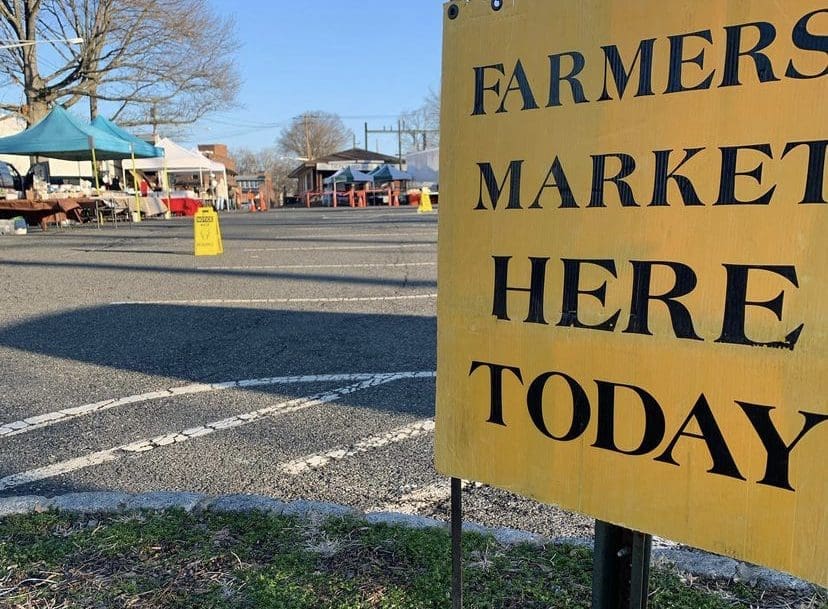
(310, 174)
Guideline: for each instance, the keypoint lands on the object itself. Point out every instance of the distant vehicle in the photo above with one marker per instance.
(10, 178)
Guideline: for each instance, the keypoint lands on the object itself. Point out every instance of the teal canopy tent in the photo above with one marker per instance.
(141, 148)
(59, 135)
(389, 173)
(349, 175)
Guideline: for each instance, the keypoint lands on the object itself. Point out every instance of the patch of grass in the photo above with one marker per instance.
(241, 561)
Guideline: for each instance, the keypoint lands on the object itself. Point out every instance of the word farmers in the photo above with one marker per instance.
(687, 67)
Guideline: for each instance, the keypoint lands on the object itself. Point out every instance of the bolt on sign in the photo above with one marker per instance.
(633, 267)
(207, 233)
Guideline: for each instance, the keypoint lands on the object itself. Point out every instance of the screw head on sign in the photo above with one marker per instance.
(497, 5)
(453, 11)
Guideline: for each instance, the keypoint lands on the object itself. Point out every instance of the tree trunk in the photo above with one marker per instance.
(36, 104)
(35, 109)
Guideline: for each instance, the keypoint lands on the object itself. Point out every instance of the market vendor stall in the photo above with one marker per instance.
(349, 177)
(183, 203)
(140, 148)
(179, 160)
(41, 212)
(60, 135)
(392, 182)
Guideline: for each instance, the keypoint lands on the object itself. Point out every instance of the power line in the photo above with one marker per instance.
(229, 119)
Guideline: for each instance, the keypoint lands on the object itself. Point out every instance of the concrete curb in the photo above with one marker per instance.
(695, 562)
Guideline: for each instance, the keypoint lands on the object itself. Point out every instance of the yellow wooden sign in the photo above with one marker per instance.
(633, 272)
(207, 233)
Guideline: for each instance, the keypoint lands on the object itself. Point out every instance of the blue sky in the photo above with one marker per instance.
(365, 60)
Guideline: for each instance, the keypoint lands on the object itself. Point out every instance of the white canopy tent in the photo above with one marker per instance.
(178, 159)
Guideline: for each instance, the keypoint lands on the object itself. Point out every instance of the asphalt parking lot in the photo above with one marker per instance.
(298, 364)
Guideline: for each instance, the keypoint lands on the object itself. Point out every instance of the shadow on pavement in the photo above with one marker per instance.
(344, 279)
(212, 344)
(217, 344)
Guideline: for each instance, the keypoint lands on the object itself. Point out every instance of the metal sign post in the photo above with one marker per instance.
(456, 544)
(620, 567)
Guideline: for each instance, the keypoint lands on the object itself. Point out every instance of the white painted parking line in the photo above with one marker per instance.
(411, 210)
(420, 499)
(51, 418)
(146, 445)
(336, 231)
(314, 266)
(318, 461)
(337, 248)
(219, 301)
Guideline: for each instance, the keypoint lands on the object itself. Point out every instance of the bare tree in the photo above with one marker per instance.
(432, 114)
(247, 162)
(266, 161)
(421, 126)
(152, 62)
(314, 134)
(279, 169)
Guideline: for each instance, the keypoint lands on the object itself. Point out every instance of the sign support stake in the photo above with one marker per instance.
(621, 567)
(456, 544)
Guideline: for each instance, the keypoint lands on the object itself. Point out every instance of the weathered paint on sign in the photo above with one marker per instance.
(207, 233)
(632, 266)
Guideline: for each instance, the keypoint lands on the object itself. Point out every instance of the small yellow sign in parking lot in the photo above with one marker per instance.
(207, 233)
(425, 201)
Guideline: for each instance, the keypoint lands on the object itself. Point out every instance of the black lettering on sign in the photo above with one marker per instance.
(805, 40)
(519, 82)
(675, 82)
(480, 86)
(779, 454)
(487, 177)
(734, 317)
(736, 303)
(654, 424)
(580, 406)
(723, 463)
(555, 78)
(701, 417)
(561, 183)
(680, 317)
(815, 178)
(733, 52)
(732, 177)
(743, 48)
(535, 289)
(572, 290)
(599, 178)
(727, 185)
(496, 388)
(613, 62)
(663, 173)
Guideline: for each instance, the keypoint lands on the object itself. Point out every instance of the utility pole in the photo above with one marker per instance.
(401, 128)
(399, 142)
(307, 136)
